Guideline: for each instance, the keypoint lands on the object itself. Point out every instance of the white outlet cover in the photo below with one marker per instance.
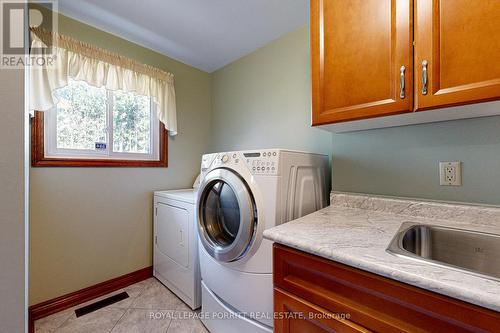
(450, 173)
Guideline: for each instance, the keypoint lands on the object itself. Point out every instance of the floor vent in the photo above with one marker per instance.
(100, 304)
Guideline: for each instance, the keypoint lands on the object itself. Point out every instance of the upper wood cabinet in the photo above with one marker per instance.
(371, 58)
(459, 40)
(358, 50)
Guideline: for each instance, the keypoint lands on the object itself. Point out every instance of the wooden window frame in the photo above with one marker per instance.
(38, 158)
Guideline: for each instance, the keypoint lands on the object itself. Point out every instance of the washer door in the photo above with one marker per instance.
(227, 215)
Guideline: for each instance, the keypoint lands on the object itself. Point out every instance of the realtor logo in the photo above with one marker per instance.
(16, 16)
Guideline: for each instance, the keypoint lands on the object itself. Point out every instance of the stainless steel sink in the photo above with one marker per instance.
(474, 252)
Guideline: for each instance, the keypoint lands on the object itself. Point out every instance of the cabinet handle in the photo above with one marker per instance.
(424, 77)
(402, 82)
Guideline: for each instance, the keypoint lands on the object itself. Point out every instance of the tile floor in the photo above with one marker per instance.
(147, 299)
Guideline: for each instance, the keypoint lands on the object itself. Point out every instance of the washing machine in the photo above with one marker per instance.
(241, 194)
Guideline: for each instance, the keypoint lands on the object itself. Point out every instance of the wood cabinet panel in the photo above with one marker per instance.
(299, 316)
(460, 40)
(357, 50)
(372, 301)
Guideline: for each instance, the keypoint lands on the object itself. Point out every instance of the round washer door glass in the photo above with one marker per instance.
(227, 215)
(222, 214)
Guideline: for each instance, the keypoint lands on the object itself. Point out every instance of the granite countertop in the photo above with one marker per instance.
(356, 229)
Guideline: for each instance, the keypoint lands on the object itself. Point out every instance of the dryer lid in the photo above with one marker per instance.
(186, 195)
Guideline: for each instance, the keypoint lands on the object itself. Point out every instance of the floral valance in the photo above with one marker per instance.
(73, 59)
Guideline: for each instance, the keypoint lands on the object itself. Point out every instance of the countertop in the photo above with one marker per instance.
(356, 229)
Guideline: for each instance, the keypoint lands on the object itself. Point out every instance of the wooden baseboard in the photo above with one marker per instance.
(67, 301)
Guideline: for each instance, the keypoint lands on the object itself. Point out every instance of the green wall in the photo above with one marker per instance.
(89, 225)
(13, 163)
(403, 161)
(263, 100)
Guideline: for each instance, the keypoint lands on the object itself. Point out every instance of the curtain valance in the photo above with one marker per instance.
(81, 61)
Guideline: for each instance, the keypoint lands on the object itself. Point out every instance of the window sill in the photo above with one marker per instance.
(92, 163)
(38, 158)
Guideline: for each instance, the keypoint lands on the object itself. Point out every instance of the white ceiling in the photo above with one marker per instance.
(206, 34)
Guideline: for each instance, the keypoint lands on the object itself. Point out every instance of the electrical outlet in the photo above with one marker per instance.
(450, 173)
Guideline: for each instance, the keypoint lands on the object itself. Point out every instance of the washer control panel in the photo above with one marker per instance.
(222, 160)
(263, 162)
(206, 161)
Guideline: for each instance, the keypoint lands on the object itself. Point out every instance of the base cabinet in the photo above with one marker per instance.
(312, 294)
(298, 315)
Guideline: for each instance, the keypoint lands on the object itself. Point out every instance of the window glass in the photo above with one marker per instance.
(92, 121)
(131, 123)
(81, 116)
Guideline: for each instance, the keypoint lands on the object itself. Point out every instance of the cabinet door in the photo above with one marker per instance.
(295, 315)
(358, 48)
(460, 42)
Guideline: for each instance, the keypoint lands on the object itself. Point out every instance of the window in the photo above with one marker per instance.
(92, 126)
